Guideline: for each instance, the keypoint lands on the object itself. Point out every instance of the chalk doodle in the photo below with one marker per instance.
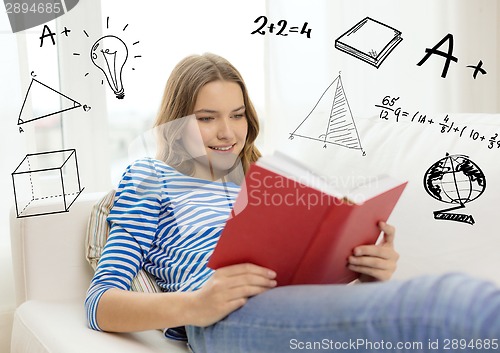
(390, 110)
(46, 175)
(280, 28)
(455, 180)
(477, 69)
(370, 41)
(54, 102)
(332, 122)
(448, 55)
(109, 54)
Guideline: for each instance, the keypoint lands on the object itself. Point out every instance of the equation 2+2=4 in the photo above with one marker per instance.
(281, 28)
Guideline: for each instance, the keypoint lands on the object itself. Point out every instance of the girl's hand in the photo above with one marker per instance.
(227, 290)
(376, 262)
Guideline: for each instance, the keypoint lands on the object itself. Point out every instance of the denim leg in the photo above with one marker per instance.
(425, 314)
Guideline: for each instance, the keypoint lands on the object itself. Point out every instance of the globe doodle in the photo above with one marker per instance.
(454, 179)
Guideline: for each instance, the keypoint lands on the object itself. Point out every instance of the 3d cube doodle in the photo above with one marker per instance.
(47, 175)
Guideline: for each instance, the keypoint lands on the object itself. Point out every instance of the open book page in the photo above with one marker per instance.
(373, 186)
(357, 190)
(285, 165)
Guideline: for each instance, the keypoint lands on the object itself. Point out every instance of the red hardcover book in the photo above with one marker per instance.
(301, 225)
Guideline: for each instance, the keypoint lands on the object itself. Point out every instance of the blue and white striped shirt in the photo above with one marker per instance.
(165, 222)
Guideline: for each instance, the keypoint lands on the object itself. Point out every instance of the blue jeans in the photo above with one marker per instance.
(427, 314)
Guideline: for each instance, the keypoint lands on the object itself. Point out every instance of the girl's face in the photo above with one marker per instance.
(216, 135)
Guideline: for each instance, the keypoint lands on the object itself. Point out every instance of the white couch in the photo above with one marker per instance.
(51, 277)
(52, 274)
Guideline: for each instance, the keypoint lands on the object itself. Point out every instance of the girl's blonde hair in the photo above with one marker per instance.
(179, 99)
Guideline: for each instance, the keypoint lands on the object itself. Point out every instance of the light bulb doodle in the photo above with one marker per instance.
(110, 54)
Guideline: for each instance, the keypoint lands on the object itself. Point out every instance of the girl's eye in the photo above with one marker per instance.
(239, 116)
(204, 118)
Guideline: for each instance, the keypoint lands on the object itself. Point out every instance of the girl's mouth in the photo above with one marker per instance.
(222, 148)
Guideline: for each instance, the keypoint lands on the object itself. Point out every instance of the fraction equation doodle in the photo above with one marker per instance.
(390, 110)
(281, 27)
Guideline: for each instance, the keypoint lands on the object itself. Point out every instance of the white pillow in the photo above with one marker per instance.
(97, 235)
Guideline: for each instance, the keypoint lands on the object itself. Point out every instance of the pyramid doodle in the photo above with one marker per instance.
(54, 102)
(331, 121)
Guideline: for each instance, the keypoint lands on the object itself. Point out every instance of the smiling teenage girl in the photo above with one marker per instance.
(167, 217)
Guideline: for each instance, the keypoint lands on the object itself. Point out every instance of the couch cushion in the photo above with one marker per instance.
(60, 327)
(37, 255)
(97, 235)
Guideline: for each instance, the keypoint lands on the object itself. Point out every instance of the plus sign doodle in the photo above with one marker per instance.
(477, 69)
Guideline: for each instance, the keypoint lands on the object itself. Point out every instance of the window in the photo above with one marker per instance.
(157, 35)
(164, 33)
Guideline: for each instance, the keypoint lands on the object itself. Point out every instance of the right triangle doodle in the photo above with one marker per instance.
(331, 121)
(54, 102)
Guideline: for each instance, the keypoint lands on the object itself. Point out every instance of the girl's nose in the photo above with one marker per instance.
(225, 131)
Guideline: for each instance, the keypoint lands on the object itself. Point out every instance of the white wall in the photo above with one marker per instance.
(11, 147)
(300, 69)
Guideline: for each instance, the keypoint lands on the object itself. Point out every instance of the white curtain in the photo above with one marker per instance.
(10, 146)
(301, 68)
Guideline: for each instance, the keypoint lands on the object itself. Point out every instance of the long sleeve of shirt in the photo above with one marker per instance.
(133, 222)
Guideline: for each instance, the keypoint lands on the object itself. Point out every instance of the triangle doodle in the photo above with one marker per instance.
(55, 102)
(331, 121)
